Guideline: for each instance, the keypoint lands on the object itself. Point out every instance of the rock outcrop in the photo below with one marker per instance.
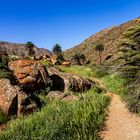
(30, 74)
(13, 101)
(65, 81)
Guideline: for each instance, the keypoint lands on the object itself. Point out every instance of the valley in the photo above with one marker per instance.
(88, 92)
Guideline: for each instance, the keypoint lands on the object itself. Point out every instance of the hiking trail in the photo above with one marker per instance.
(120, 123)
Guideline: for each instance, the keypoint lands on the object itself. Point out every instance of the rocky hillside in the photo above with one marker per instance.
(109, 37)
(20, 50)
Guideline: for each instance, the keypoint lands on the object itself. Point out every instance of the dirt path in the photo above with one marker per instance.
(120, 124)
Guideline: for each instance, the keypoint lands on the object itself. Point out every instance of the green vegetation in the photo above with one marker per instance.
(130, 48)
(57, 50)
(114, 83)
(4, 72)
(3, 118)
(30, 48)
(62, 120)
(79, 58)
(58, 119)
(100, 70)
(80, 70)
(46, 63)
(89, 72)
(99, 47)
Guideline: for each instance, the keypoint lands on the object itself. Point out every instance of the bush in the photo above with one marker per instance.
(130, 48)
(132, 96)
(62, 120)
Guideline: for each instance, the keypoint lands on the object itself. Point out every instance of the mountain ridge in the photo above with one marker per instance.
(19, 49)
(109, 37)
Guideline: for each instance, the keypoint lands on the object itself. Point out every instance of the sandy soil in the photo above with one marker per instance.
(120, 123)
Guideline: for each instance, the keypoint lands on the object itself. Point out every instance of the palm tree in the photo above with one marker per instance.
(78, 57)
(57, 49)
(100, 47)
(30, 48)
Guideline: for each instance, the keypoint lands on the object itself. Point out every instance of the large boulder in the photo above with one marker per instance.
(68, 82)
(13, 101)
(30, 74)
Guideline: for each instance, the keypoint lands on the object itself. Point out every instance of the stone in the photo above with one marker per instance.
(62, 96)
(55, 95)
(54, 59)
(12, 100)
(30, 74)
(66, 63)
(68, 82)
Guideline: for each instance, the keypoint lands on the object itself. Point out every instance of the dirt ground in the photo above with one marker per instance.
(120, 123)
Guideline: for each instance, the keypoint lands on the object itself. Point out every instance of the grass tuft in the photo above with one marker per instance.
(62, 120)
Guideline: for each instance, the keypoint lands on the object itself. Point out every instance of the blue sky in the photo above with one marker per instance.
(66, 22)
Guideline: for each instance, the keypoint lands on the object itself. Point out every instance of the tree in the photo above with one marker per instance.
(30, 48)
(57, 49)
(100, 47)
(78, 57)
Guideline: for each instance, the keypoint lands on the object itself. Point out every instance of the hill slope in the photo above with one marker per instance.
(110, 38)
(20, 50)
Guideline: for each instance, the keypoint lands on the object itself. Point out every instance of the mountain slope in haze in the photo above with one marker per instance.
(110, 38)
(20, 49)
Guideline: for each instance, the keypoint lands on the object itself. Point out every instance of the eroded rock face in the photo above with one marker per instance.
(65, 81)
(12, 100)
(8, 95)
(29, 73)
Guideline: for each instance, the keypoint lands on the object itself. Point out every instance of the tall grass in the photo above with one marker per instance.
(60, 120)
(80, 70)
(114, 83)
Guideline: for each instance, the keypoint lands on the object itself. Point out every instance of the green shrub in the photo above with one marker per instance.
(132, 96)
(130, 48)
(62, 120)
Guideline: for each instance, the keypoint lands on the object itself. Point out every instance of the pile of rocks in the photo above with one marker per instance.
(30, 76)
